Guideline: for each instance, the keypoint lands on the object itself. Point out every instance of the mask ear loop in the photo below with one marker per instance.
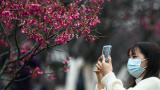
(144, 60)
(145, 67)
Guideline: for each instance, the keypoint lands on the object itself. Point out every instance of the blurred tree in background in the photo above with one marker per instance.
(123, 22)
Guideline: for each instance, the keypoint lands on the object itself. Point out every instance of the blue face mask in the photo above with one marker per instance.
(134, 67)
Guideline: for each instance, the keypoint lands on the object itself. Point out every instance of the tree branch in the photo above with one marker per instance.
(6, 62)
(24, 55)
(18, 80)
(15, 29)
(17, 71)
(4, 67)
(27, 61)
(14, 49)
(7, 38)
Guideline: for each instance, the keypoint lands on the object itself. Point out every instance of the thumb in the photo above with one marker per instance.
(103, 61)
(110, 60)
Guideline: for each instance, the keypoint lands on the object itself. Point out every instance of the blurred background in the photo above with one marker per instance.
(123, 23)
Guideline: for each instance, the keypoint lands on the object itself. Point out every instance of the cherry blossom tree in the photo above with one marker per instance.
(49, 23)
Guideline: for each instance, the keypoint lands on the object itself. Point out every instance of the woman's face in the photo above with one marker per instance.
(138, 55)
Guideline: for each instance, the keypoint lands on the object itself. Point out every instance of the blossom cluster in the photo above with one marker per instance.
(36, 72)
(47, 21)
(42, 21)
(52, 77)
(66, 61)
(146, 23)
(3, 43)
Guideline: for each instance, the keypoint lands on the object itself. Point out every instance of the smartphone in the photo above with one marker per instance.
(106, 51)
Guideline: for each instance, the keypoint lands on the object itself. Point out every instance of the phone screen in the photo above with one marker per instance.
(106, 51)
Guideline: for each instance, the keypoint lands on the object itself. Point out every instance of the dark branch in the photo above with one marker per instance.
(18, 80)
(15, 29)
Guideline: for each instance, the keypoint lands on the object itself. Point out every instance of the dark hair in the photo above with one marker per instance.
(151, 51)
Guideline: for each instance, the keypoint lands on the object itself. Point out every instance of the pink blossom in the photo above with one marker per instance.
(63, 39)
(34, 76)
(77, 24)
(6, 13)
(36, 5)
(64, 16)
(143, 21)
(26, 13)
(27, 45)
(24, 30)
(25, 58)
(37, 69)
(6, 44)
(58, 27)
(55, 5)
(158, 28)
(91, 39)
(158, 25)
(32, 21)
(48, 53)
(93, 22)
(92, 0)
(70, 18)
(65, 61)
(11, 75)
(85, 32)
(58, 41)
(46, 30)
(39, 40)
(46, 18)
(84, 7)
(90, 10)
(18, 75)
(36, 72)
(9, 25)
(76, 15)
(39, 73)
(102, 1)
(2, 40)
(69, 58)
(52, 77)
(78, 1)
(23, 51)
(0, 58)
(77, 36)
(66, 70)
(8, 70)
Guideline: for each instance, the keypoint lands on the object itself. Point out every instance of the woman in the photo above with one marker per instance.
(143, 64)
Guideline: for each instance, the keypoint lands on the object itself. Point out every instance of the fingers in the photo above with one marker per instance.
(98, 66)
(99, 63)
(103, 61)
(99, 59)
(109, 60)
(96, 71)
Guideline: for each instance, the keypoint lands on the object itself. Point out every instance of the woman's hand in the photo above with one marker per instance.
(98, 73)
(104, 67)
(99, 77)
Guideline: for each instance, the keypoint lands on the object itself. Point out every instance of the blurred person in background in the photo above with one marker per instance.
(143, 65)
